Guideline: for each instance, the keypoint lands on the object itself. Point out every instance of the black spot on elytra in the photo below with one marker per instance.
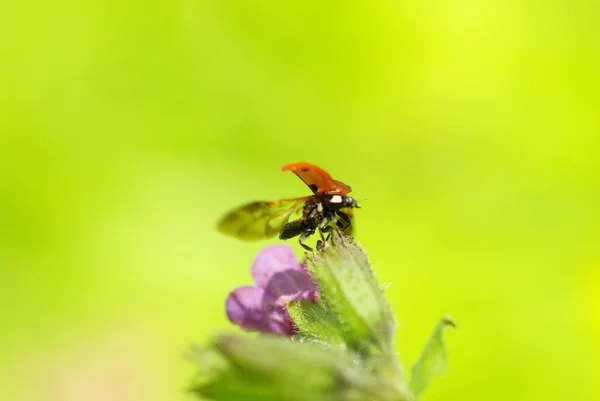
(305, 169)
(313, 187)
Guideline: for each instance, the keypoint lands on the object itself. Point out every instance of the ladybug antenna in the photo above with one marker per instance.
(362, 200)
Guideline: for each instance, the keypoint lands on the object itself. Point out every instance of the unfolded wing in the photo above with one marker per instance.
(258, 220)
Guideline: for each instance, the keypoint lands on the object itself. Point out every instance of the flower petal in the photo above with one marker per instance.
(279, 322)
(272, 260)
(245, 306)
(291, 285)
(253, 309)
(279, 278)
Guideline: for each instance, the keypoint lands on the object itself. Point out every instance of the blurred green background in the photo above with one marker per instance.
(128, 128)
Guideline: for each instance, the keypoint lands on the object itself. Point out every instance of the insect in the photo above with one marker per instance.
(329, 203)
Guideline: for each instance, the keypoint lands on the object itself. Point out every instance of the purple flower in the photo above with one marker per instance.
(279, 278)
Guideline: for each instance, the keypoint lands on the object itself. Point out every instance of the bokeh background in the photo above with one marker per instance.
(128, 128)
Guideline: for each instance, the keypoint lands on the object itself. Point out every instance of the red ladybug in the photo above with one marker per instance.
(329, 203)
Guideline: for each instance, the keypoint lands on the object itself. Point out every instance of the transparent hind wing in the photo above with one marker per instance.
(259, 220)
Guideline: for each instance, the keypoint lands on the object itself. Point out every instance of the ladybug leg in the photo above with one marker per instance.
(344, 221)
(322, 243)
(328, 228)
(341, 224)
(304, 236)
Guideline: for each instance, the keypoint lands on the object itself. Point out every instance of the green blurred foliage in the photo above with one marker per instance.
(433, 361)
(127, 128)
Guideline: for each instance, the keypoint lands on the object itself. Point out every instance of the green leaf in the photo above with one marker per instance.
(433, 360)
(241, 367)
(349, 290)
(317, 323)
